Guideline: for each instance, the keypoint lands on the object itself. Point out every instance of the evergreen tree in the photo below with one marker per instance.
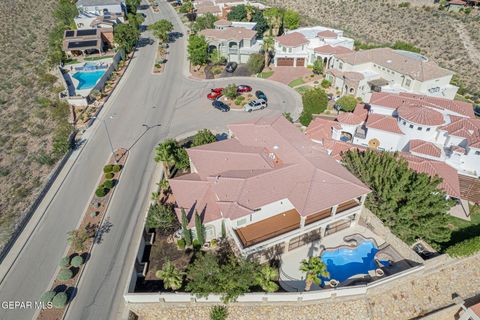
(200, 229)
(224, 231)
(408, 202)
(187, 234)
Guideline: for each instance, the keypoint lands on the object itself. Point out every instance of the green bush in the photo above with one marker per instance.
(108, 184)
(256, 63)
(93, 214)
(109, 175)
(465, 248)
(60, 300)
(65, 274)
(116, 168)
(196, 244)
(347, 103)
(101, 192)
(218, 313)
(47, 296)
(77, 261)
(325, 83)
(108, 168)
(314, 102)
(64, 262)
(181, 243)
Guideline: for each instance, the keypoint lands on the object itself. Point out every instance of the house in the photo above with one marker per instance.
(456, 5)
(383, 69)
(87, 41)
(99, 13)
(269, 185)
(302, 47)
(236, 41)
(221, 8)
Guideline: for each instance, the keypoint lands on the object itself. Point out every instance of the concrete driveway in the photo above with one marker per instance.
(241, 71)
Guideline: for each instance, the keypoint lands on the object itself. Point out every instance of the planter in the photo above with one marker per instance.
(334, 283)
(379, 272)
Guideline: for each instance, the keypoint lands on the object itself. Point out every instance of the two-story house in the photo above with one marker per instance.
(302, 47)
(269, 185)
(99, 13)
(383, 69)
(236, 41)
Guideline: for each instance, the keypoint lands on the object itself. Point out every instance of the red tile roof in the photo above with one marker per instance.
(424, 147)
(420, 115)
(459, 2)
(465, 128)
(321, 129)
(328, 49)
(382, 122)
(350, 118)
(222, 23)
(234, 33)
(293, 39)
(327, 34)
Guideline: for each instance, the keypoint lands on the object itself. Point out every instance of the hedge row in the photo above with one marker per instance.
(465, 248)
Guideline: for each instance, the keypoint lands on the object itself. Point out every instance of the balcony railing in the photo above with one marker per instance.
(318, 216)
(347, 205)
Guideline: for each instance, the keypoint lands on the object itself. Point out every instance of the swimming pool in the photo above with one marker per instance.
(344, 262)
(88, 79)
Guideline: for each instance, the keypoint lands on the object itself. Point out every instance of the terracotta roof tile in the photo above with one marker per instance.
(234, 33)
(420, 115)
(384, 123)
(327, 34)
(350, 118)
(328, 49)
(293, 39)
(424, 147)
(222, 22)
(321, 129)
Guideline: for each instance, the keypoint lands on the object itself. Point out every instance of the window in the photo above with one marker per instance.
(340, 66)
(428, 129)
(419, 128)
(241, 222)
(289, 50)
(477, 153)
(408, 82)
(284, 49)
(404, 123)
(411, 126)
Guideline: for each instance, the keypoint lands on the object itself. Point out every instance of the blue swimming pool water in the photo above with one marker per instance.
(345, 262)
(88, 79)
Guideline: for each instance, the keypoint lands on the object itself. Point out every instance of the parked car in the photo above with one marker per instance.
(213, 95)
(244, 88)
(255, 105)
(220, 106)
(217, 89)
(476, 110)
(260, 95)
(231, 66)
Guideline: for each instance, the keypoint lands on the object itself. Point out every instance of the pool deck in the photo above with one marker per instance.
(71, 71)
(290, 261)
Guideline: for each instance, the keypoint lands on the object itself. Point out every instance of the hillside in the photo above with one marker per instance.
(452, 40)
(31, 119)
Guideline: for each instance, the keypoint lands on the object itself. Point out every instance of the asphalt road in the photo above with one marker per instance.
(171, 99)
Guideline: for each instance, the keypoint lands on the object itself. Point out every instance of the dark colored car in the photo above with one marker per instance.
(476, 110)
(231, 66)
(260, 95)
(244, 88)
(220, 106)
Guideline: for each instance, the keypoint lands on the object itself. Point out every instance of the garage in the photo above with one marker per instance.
(285, 62)
(300, 62)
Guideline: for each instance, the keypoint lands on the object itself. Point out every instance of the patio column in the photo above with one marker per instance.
(334, 210)
(362, 200)
(322, 232)
(302, 222)
(286, 243)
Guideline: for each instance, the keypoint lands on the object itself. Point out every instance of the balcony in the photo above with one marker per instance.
(347, 205)
(361, 133)
(268, 228)
(318, 216)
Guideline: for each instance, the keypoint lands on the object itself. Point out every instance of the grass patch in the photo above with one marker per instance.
(296, 82)
(71, 61)
(462, 229)
(97, 58)
(265, 75)
(302, 89)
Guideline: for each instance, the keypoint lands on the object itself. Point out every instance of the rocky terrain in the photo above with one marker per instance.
(450, 39)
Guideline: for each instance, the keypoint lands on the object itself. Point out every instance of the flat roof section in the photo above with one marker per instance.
(83, 44)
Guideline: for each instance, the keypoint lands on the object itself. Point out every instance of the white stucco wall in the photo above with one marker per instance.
(264, 212)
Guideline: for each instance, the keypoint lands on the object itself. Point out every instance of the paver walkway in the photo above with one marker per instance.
(288, 74)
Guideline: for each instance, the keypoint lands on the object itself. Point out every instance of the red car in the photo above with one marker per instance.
(215, 94)
(244, 88)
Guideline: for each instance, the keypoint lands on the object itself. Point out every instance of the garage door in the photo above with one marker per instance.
(285, 62)
(300, 62)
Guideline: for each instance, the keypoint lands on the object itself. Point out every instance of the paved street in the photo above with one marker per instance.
(170, 99)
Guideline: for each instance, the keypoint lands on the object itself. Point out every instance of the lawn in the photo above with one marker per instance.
(296, 82)
(265, 75)
(302, 89)
(462, 229)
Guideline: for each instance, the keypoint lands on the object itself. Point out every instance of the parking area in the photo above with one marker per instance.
(241, 71)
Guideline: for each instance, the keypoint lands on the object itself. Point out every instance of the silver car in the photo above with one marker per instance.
(255, 105)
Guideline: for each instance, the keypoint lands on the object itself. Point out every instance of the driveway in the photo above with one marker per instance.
(241, 71)
(286, 75)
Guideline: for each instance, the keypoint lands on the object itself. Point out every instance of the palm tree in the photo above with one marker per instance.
(250, 10)
(315, 268)
(265, 278)
(267, 46)
(172, 278)
(166, 152)
(274, 17)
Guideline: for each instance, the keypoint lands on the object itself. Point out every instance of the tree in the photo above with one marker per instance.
(166, 152)
(187, 234)
(265, 278)
(262, 26)
(77, 238)
(187, 7)
(161, 217)
(291, 19)
(125, 36)
(274, 17)
(197, 50)
(318, 66)
(161, 29)
(135, 19)
(249, 12)
(182, 161)
(202, 137)
(347, 103)
(267, 46)
(65, 274)
(408, 202)
(230, 91)
(255, 63)
(200, 228)
(206, 21)
(60, 300)
(314, 102)
(314, 268)
(238, 13)
(171, 277)
(216, 57)
(465, 248)
(77, 261)
(132, 5)
(219, 313)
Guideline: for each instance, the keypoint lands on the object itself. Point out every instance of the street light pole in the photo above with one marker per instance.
(109, 140)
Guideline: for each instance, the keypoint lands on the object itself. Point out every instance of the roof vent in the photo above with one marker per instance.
(389, 61)
(275, 147)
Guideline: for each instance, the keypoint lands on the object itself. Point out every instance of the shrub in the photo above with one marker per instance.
(325, 83)
(64, 262)
(109, 175)
(60, 300)
(230, 91)
(347, 103)
(65, 274)
(108, 184)
(256, 63)
(77, 261)
(196, 244)
(116, 168)
(93, 214)
(318, 66)
(108, 168)
(314, 102)
(101, 192)
(218, 313)
(181, 243)
(47, 296)
(465, 248)
(202, 137)
(162, 217)
(213, 243)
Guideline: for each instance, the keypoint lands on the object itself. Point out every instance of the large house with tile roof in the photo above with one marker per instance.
(359, 73)
(302, 47)
(269, 185)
